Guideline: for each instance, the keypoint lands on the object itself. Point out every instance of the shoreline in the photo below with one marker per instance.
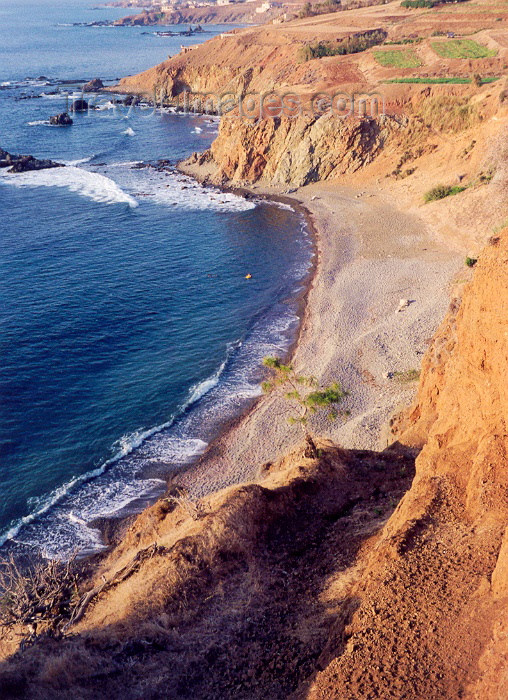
(112, 528)
(257, 436)
(377, 394)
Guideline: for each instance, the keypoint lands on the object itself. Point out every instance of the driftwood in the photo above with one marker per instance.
(43, 593)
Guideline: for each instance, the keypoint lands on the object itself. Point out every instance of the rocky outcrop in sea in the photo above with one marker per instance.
(24, 163)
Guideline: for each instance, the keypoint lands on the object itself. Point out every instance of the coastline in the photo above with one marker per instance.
(112, 528)
(368, 256)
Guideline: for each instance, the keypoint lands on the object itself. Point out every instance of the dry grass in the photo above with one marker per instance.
(447, 113)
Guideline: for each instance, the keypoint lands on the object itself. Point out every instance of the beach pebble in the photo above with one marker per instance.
(402, 304)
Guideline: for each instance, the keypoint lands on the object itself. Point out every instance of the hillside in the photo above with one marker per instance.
(322, 579)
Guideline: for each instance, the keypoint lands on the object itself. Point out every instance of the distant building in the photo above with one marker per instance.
(267, 6)
(220, 3)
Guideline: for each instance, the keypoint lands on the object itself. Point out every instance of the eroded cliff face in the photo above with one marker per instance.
(461, 412)
(433, 597)
(298, 151)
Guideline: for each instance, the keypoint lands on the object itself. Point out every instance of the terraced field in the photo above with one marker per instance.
(398, 58)
(462, 48)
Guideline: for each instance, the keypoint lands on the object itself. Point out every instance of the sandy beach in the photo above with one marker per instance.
(370, 257)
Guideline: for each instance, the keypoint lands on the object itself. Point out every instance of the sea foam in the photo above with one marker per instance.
(92, 185)
(172, 189)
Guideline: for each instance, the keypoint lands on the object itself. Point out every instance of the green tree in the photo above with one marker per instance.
(306, 10)
(305, 394)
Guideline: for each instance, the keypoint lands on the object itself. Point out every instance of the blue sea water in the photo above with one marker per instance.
(129, 334)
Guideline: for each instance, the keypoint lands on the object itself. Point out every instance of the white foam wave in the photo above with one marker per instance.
(78, 161)
(167, 448)
(172, 450)
(172, 189)
(204, 387)
(68, 532)
(248, 392)
(92, 185)
(197, 130)
(281, 205)
(128, 163)
(48, 502)
(106, 106)
(62, 95)
(129, 131)
(39, 122)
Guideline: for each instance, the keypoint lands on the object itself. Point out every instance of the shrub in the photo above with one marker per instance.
(409, 375)
(442, 191)
(303, 391)
(427, 3)
(442, 81)
(403, 42)
(44, 595)
(321, 8)
(351, 44)
(471, 262)
(417, 3)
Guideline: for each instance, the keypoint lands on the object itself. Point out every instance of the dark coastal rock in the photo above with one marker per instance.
(163, 164)
(93, 85)
(79, 106)
(131, 100)
(24, 163)
(28, 97)
(61, 119)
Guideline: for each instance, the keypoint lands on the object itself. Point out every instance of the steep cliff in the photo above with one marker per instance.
(298, 151)
(433, 598)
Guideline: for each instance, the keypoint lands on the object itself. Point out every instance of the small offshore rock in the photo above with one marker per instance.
(93, 85)
(79, 106)
(61, 119)
(131, 100)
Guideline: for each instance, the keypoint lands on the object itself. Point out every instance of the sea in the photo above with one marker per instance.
(130, 335)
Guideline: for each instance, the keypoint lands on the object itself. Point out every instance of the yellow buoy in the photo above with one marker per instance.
(248, 276)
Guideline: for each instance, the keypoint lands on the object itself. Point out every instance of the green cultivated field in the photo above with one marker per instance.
(461, 48)
(398, 58)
